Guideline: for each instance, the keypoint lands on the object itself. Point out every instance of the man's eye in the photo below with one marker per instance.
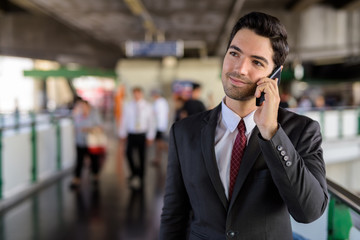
(233, 54)
(257, 63)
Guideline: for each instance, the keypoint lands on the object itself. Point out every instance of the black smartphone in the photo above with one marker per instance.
(275, 74)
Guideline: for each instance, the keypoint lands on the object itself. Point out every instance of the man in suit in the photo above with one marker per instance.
(281, 171)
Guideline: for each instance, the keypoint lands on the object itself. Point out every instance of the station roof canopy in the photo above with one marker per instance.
(202, 25)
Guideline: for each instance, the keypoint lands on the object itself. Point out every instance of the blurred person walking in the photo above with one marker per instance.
(305, 103)
(178, 107)
(86, 119)
(194, 104)
(137, 128)
(161, 111)
(287, 101)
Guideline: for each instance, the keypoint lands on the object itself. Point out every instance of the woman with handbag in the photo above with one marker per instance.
(86, 121)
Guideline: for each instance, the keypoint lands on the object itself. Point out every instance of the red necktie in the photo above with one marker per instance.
(236, 155)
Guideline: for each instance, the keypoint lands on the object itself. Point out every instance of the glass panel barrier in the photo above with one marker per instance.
(341, 220)
(344, 213)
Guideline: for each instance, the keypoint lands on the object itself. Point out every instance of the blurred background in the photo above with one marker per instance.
(53, 52)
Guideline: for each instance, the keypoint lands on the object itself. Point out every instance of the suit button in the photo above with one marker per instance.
(282, 153)
(285, 158)
(288, 163)
(231, 234)
(279, 148)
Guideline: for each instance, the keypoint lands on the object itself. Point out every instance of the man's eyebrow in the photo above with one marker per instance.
(261, 58)
(236, 48)
(253, 56)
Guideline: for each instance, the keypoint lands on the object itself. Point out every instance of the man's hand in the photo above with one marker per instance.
(266, 115)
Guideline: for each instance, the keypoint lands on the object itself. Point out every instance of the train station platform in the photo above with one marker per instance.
(38, 203)
(111, 210)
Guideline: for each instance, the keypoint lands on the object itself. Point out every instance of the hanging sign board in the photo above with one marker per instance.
(154, 49)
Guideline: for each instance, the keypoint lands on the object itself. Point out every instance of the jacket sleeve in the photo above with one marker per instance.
(298, 171)
(176, 209)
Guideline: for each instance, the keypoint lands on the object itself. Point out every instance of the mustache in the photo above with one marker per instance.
(238, 76)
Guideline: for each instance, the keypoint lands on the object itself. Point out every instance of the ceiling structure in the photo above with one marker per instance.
(203, 25)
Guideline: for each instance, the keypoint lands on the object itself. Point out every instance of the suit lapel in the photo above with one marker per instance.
(251, 154)
(208, 150)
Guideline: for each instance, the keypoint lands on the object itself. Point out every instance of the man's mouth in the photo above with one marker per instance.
(237, 82)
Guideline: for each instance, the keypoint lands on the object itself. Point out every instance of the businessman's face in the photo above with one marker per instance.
(248, 59)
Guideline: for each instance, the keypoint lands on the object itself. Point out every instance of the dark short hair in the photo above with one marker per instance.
(137, 89)
(266, 26)
(196, 86)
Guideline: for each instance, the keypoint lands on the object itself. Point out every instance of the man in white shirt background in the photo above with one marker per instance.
(161, 112)
(137, 128)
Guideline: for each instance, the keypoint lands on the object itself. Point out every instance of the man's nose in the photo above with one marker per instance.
(242, 66)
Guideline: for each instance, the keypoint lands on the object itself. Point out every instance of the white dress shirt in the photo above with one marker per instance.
(138, 118)
(161, 109)
(225, 134)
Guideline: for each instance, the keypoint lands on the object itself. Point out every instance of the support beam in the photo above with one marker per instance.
(227, 27)
(301, 5)
(138, 9)
(352, 5)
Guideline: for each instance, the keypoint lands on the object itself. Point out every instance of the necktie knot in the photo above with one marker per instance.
(241, 126)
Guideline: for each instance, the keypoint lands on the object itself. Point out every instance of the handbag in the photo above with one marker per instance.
(96, 141)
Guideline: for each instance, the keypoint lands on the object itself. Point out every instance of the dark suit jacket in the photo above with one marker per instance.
(277, 177)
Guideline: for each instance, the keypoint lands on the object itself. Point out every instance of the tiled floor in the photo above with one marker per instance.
(111, 211)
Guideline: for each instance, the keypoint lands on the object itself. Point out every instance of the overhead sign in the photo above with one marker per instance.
(154, 49)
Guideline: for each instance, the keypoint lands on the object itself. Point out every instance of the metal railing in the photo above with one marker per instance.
(343, 213)
(335, 122)
(12, 123)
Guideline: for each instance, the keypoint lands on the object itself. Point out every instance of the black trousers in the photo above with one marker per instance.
(81, 153)
(136, 142)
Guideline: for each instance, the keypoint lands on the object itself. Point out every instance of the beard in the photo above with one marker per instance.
(238, 93)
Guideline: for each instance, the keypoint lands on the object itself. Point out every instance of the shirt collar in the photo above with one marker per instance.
(231, 119)
(140, 101)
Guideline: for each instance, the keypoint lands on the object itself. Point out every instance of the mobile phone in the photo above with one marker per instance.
(275, 74)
